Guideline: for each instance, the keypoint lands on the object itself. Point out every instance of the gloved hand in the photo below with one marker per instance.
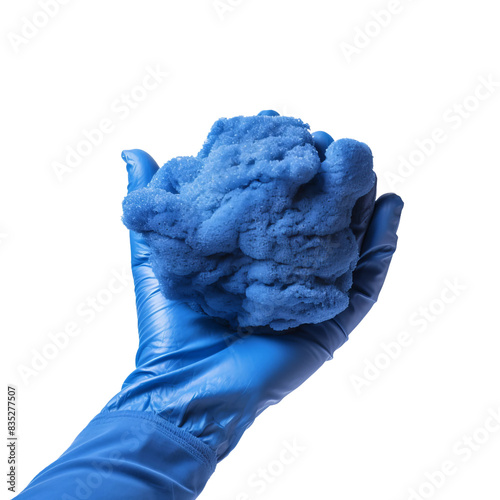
(198, 385)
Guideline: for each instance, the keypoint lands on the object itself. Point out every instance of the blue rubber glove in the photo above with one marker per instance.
(199, 385)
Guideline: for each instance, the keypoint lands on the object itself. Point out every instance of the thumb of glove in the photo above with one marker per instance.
(140, 167)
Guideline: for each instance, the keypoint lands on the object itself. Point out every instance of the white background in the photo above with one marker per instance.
(61, 239)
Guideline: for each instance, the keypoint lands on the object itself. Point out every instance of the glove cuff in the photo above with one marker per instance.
(127, 455)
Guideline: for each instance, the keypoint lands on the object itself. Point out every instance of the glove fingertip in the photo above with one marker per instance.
(393, 204)
(322, 141)
(141, 168)
(379, 245)
(382, 230)
(268, 112)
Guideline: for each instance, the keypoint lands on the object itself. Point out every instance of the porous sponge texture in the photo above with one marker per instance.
(254, 230)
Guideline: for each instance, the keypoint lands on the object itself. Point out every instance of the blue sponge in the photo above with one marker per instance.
(254, 230)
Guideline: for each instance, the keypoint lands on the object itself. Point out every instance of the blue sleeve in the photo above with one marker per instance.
(127, 455)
